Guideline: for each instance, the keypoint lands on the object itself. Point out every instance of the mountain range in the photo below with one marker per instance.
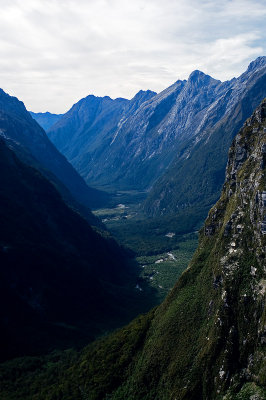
(206, 341)
(173, 144)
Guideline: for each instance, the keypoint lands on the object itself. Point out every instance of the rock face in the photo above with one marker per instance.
(188, 127)
(207, 339)
(46, 120)
(17, 125)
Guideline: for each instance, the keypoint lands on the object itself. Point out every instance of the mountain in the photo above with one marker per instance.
(46, 120)
(196, 175)
(136, 147)
(17, 125)
(85, 133)
(61, 282)
(206, 341)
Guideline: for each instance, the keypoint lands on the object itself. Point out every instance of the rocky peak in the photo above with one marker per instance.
(198, 79)
(143, 94)
(137, 100)
(256, 64)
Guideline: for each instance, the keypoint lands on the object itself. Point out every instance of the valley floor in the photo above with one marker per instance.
(162, 253)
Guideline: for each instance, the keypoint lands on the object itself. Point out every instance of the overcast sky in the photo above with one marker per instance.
(54, 52)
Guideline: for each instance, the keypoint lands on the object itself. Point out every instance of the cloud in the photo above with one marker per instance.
(53, 52)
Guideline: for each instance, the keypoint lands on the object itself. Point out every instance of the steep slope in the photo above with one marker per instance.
(196, 175)
(173, 126)
(207, 339)
(18, 125)
(46, 120)
(81, 125)
(61, 283)
(86, 131)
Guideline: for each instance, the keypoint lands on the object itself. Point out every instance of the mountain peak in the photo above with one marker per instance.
(142, 93)
(199, 78)
(258, 63)
(196, 74)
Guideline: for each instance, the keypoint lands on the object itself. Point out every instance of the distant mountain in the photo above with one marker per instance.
(61, 283)
(46, 120)
(206, 341)
(17, 125)
(187, 128)
(195, 177)
(86, 132)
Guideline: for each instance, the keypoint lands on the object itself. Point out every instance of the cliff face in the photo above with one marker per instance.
(207, 339)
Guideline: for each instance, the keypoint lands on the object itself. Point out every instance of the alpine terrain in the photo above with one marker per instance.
(128, 145)
(206, 341)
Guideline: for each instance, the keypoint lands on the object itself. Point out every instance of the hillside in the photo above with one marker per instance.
(196, 175)
(85, 132)
(206, 340)
(61, 282)
(17, 125)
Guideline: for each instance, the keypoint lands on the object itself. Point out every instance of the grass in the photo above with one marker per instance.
(163, 270)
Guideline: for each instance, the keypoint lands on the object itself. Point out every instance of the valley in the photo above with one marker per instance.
(132, 244)
(161, 255)
(206, 340)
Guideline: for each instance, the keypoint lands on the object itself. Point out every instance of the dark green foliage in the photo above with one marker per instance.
(146, 236)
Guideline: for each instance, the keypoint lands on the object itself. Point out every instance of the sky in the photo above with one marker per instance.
(55, 52)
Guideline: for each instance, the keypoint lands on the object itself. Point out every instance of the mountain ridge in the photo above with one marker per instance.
(17, 125)
(46, 119)
(138, 148)
(206, 341)
(207, 151)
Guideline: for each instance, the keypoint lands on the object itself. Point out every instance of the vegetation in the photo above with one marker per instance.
(62, 282)
(205, 341)
(161, 247)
